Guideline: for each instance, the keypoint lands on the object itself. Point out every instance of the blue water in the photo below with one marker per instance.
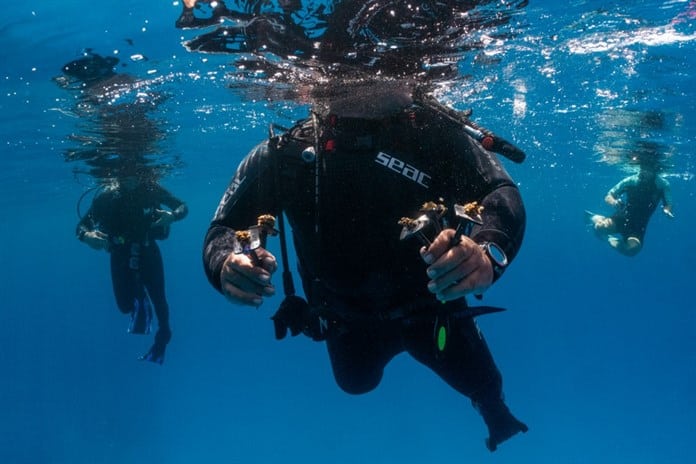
(598, 351)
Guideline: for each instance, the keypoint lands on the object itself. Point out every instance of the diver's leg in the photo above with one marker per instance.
(123, 280)
(633, 231)
(131, 294)
(631, 246)
(606, 229)
(153, 277)
(359, 352)
(602, 225)
(466, 364)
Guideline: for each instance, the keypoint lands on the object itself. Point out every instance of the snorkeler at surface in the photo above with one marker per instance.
(344, 178)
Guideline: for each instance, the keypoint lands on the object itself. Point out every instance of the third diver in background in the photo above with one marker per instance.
(635, 199)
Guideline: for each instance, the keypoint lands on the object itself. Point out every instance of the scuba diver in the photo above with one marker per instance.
(635, 199)
(130, 210)
(125, 219)
(348, 178)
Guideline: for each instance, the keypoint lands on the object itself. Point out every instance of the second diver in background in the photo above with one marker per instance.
(126, 219)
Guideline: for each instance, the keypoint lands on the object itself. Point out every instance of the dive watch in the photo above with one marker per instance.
(497, 256)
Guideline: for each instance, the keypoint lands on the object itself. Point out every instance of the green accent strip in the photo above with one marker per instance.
(441, 338)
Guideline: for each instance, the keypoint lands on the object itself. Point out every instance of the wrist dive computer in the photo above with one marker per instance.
(497, 256)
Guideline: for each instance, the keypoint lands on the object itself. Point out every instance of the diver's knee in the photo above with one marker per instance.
(125, 307)
(357, 383)
(601, 222)
(632, 246)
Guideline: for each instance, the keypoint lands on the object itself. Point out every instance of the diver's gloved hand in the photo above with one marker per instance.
(290, 316)
(156, 352)
(294, 315)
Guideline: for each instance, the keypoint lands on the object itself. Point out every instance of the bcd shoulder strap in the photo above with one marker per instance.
(302, 134)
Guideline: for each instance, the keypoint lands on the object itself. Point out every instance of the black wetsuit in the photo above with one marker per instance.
(127, 217)
(354, 268)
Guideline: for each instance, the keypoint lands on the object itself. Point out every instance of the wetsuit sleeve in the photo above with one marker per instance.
(504, 220)
(90, 221)
(178, 207)
(85, 225)
(666, 192)
(250, 194)
(483, 177)
(619, 189)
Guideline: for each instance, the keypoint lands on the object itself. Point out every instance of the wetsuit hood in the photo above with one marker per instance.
(361, 101)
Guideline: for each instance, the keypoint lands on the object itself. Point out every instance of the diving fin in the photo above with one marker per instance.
(207, 15)
(588, 217)
(474, 311)
(141, 316)
(502, 425)
(156, 352)
(223, 39)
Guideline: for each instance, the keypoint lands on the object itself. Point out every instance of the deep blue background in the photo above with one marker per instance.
(598, 351)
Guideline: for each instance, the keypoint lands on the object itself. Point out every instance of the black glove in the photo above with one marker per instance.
(290, 315)
(294, 315)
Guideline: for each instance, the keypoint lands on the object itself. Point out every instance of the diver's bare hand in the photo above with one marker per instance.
(164, 218)
(244, 283)
(611, 200)
(96, 239)
(456, 270)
